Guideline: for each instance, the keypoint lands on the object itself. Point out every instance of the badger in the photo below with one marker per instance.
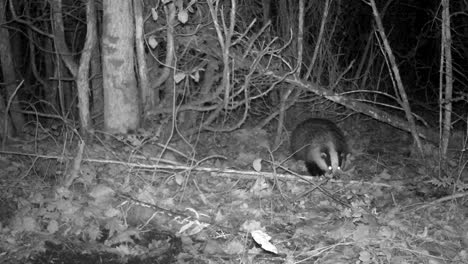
(320, 144)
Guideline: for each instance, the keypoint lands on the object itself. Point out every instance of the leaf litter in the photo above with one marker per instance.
(128, 208)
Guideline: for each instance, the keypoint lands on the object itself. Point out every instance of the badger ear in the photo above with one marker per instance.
(323, 155)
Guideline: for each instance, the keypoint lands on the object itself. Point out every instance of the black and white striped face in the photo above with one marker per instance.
(331, 157)
(324, 159)
(321, 144)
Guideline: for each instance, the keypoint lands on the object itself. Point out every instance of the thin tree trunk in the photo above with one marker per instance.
(396, 74)
(287, 93)
(96, 82)
(65, 55)
(140, 50)
(446, 95)
(59, 37)
(49, 68)
(83, 70)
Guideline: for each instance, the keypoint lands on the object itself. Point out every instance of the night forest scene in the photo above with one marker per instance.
(230, 131)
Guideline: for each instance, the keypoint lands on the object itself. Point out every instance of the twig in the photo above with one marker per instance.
(228, 173)
(444, 199)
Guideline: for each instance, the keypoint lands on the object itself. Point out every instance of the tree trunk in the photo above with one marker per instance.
(9, 76)
(5, 122)
(121, 109)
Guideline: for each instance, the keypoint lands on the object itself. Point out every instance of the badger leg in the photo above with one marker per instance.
(342, 161)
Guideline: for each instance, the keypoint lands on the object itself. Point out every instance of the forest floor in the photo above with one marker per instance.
(227, 198)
